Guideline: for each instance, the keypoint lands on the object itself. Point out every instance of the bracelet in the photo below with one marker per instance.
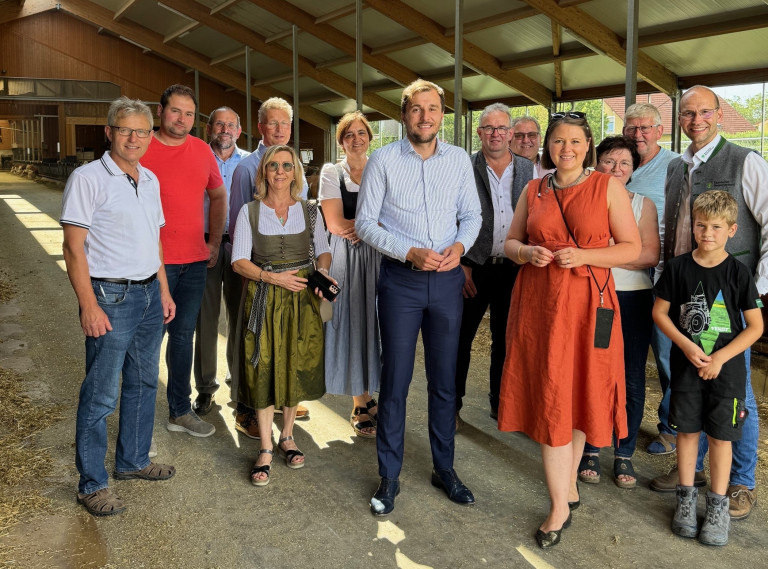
(519, 258)
(261, 275)
(323, 270)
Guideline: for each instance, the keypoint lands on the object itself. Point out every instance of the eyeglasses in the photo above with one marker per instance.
(125, 131)
(523, 135)
(503, 130)
(273, 166)
(570, 115)
(611, 164)
(227, 125)
(704, 113)
(631, 130)
(281, 124)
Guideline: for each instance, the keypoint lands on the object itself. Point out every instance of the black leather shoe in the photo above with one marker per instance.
(551, 538)
(454, 488)
(573, 505)
(383, 501)
(202, 404)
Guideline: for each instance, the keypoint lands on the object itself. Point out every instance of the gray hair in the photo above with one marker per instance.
(221, 110)
(642, 111)
(123, 107)
(494, 108)
(525, 118)
(274, 103)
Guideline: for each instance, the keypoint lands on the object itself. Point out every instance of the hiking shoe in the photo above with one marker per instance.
(191, 424)
(741, 501)
(670, 481)
(714, 530)
(248, 424)
(684, 520)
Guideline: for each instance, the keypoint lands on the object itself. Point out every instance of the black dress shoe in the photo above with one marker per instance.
(551, 538)
(453, 487)
(383, 501)
(202, 403)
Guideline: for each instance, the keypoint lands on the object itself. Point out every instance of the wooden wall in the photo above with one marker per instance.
(57, 46)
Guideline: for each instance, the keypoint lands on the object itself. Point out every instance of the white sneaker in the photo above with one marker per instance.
(190, 424)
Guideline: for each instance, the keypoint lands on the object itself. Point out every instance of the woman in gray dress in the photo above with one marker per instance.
(352, 343)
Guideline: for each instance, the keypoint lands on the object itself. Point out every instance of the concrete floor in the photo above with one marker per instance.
(210, 516)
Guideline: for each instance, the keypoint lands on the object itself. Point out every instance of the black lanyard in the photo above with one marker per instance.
(589, 268)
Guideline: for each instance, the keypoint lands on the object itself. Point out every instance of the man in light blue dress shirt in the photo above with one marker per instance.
(223, 130)
(419, 207)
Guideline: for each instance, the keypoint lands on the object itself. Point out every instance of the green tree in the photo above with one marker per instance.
(751, 108)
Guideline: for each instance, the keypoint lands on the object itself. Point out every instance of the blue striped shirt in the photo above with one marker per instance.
(406, 201)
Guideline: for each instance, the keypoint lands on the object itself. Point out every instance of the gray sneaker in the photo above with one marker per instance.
(714, 530)
(684, 520)
(191, 424)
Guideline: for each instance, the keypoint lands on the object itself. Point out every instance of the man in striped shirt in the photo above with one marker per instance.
(418, 206)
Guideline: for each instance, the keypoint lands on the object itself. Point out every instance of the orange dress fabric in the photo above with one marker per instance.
(554, 379)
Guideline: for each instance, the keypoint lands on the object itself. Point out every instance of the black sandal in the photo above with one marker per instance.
(358, 426)
(623, 467)
(589, 462)
(370, 405)
(259, 469)
(290, 454)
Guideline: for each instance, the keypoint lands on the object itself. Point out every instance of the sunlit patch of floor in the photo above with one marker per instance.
(533, 558)
(46, 230)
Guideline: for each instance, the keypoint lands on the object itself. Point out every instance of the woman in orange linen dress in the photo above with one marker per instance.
(557, 387)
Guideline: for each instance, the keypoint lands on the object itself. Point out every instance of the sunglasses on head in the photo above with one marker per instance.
(570, 115)
(273, 166)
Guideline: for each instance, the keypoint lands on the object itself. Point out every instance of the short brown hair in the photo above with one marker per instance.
(177, 89)
(346, 121)
(716, 203)
(420, 86)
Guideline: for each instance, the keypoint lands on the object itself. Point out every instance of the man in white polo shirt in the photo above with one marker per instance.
(111, 215)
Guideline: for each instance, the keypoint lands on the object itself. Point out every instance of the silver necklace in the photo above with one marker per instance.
(574, 183)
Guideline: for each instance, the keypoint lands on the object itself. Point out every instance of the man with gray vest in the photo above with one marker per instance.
(711, 162)
(500, 177)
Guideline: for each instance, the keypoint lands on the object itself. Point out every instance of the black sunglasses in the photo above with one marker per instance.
(570, 115)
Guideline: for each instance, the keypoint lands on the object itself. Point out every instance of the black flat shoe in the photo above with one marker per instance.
(383, 501)
(551, 538)
(453, 487)
(573, 505)
(202, 403)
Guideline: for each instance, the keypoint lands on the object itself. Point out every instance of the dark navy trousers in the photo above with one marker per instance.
(409, 302)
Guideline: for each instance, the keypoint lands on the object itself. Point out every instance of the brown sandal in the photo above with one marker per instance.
(103, 502)
(150, 472)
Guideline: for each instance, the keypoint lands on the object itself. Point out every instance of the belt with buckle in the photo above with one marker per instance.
(126, 281)
(404, 264)
(496, 260)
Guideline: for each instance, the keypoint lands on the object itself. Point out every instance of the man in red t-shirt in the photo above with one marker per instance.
(186, 169)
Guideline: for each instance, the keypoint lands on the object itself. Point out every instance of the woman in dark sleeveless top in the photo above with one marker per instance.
(278, 240)
(352, 342)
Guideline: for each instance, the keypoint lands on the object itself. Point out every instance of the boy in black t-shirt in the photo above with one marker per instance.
(703, 301)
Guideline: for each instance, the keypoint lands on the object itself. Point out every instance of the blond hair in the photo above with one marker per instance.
(262, 188)
(714, 204)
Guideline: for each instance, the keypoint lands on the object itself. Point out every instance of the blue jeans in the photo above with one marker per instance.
(661, 346)
(186, 283)
(636, 325)
(133, 348)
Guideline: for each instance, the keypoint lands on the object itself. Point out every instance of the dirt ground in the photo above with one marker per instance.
(209, 515)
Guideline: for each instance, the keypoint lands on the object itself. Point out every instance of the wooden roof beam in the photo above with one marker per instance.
(477, 58)
(123, 10)
(388, 67)
(99, 16)
(181, 31)
(10, 12)
(238, 32)
(223, 6)
(606, 41)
